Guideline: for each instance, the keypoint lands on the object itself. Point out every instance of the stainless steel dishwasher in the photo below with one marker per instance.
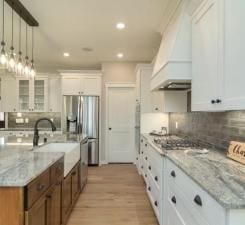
(84, 162)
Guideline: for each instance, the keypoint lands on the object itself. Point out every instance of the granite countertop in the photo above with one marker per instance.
(221, 177)
(17, 169)
(19, 164)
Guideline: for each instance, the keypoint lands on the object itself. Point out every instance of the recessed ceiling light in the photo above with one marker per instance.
(121, 26)
(66, 54)
(120, 55)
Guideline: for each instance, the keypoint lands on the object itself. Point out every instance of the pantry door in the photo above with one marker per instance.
(120, 123)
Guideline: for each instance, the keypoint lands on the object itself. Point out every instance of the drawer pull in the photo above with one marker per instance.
(149, 188)
(40, 187)
(149, 167)
(198, 200)
(173, 174)
(156, 178)
(146, 158)
(174, 200)
(156, 203)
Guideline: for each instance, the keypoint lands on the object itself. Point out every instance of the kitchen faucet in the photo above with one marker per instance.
(36, 131)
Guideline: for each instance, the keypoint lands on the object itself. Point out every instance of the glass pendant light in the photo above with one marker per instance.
(3, 56)
(32, 71)
(19, 65)
(12, 61)
(26, 66)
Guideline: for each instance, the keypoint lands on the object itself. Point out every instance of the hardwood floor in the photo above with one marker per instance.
(114, 195)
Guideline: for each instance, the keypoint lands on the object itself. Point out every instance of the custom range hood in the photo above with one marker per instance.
(172, 68)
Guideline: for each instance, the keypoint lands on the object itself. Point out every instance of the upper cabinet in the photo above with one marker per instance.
(218, 53)
(32, 95)
(156, 101)
(8, 94)
(81, 84)
(55, 100)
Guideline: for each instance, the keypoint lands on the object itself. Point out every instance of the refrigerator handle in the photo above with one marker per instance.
(78, 114)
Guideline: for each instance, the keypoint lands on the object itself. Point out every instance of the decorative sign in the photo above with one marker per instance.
(236, 151)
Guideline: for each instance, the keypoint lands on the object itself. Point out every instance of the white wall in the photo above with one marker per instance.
(113, 72)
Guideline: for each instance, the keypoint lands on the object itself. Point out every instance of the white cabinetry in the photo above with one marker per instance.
(55, 100)
(8, 94)
(81, 84)
(32, 95)
(218, 54)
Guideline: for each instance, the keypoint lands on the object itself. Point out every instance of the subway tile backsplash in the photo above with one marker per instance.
(32, 118)
(215, 128)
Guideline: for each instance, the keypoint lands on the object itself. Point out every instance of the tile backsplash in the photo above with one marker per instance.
(32, 118)
(215, 128)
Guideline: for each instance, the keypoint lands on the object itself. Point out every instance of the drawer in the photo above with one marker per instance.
(37, 187)
(197, 199)
(155, 198)
(156, 175)
(57, 170)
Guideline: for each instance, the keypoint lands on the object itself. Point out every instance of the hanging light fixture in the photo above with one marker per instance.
(32, 71)
(12, 61)
(26, 66)
(19, 65)
(3, 56)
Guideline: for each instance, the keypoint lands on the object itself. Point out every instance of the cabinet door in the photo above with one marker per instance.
(75, 183)
(91, 85)
(39, 213)
(66, 197)
(54, 95)
(157, 98)
(40, 95)
(145, 93)
(55, 204)
(206, 65)
(9, 95)
(71, 85)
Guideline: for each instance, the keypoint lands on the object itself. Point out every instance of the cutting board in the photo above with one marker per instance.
(236, 151)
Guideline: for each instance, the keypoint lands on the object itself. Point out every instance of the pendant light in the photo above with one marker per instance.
(19, 65)
(26, 67)
(3, 57)
(32, 71)
(12, 61)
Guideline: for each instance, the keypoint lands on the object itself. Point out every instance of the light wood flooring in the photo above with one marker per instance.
(114, 195)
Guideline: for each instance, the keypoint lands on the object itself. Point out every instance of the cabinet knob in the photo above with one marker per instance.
(156, 203)
(198, 200)
(137, 158)
(173, 174)
(146, 158)
(156, 178)
(218, 101)
(142, 167)
(149, 167)
(173, 199)
(109, 128)
(149, 188)
(213, 101)
(40, 187)
(74, 173)
(156, 109)
(145, 175)
(145, 145)
(141, 141)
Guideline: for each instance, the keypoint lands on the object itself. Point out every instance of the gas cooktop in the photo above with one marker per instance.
(171, 142)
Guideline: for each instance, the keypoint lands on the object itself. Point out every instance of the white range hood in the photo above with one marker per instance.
(172, 67)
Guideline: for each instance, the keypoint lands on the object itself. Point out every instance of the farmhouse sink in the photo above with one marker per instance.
(71, 151)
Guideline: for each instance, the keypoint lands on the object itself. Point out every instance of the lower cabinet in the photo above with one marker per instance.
(71, 191)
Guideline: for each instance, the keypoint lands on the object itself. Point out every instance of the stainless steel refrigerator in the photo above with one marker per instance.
(81, 116)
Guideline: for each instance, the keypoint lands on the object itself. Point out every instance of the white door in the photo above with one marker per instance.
(120, 124)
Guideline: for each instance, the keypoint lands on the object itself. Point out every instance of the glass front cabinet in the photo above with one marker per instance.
(32, 95)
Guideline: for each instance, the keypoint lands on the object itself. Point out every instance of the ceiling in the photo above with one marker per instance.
(70, 25)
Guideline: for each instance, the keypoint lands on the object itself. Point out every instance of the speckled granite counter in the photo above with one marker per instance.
(221, 177)
(18, 168)
(19, 164)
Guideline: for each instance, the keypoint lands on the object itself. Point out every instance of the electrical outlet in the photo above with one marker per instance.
(176, 125)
